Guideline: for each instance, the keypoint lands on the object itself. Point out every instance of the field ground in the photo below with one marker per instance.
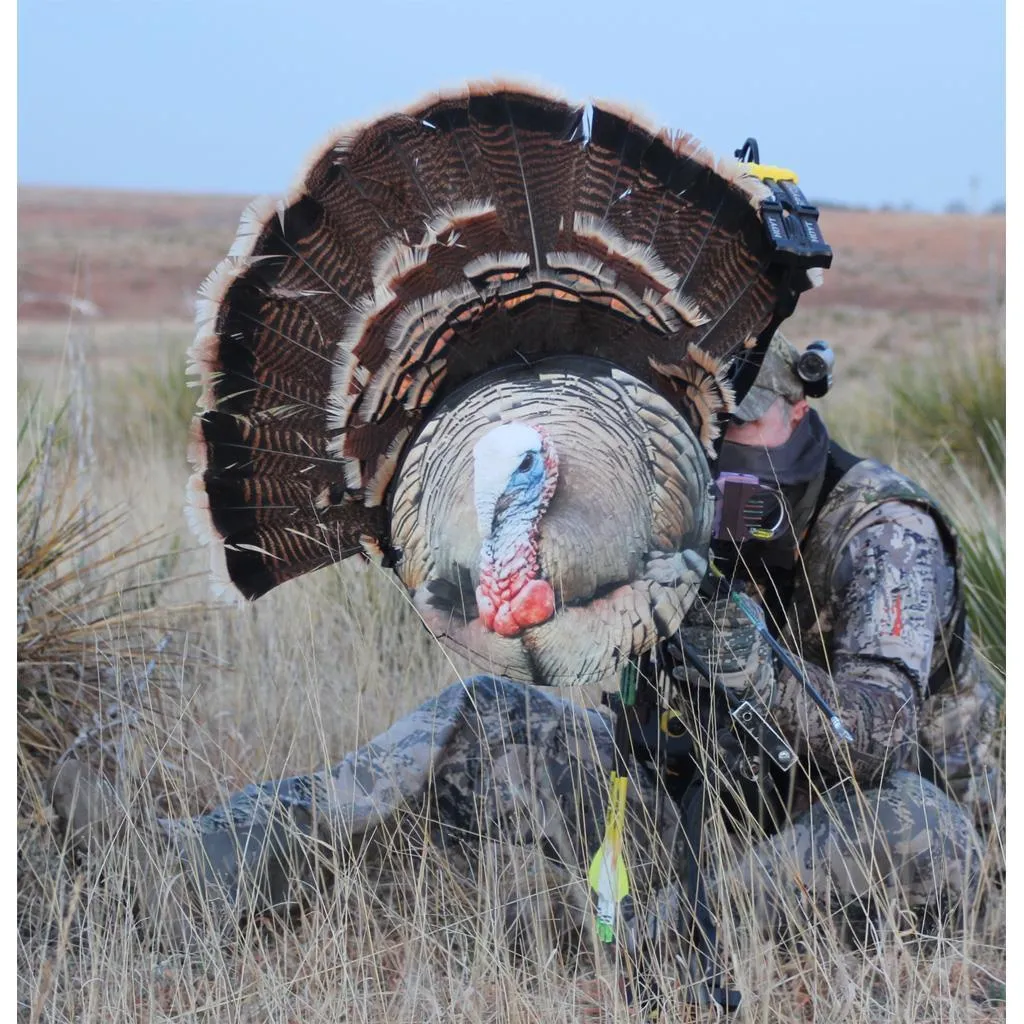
(147, 254)
(106, 284)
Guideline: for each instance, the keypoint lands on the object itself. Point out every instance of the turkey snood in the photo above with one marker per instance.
(515, 471)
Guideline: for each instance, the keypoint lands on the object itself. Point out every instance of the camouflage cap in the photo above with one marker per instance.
(776, 377)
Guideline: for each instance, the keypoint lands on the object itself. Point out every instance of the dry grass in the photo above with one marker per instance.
(290, 685)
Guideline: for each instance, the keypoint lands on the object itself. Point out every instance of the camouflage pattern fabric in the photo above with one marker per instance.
(490, 767)
(874, 603)
(521, 768)
(729, 644)
(776, 377)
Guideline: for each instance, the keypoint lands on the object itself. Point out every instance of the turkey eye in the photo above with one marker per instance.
(527, 464)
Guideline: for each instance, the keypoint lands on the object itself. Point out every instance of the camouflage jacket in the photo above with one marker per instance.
(876, 602)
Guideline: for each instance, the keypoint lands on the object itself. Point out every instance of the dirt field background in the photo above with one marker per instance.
(147, 254)
(133, 257)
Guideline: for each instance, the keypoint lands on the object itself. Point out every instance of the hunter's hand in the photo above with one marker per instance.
(729, 644)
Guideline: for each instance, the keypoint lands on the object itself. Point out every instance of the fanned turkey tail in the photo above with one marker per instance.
(490, 228)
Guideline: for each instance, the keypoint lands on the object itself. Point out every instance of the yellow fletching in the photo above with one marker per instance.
(608, 876)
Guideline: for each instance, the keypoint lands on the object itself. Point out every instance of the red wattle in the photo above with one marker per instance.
(531, 606)
(505, 624)
(510, 597)
(534, 604)
(485, 607)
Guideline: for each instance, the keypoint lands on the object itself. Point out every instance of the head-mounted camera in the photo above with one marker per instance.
(747, 509)
(814, 368)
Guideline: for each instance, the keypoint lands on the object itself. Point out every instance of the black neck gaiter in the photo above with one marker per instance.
(796, 469)
(798, 461)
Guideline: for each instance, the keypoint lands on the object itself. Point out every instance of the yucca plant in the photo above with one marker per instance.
(973, 492)
(87, 615)
(945, 404)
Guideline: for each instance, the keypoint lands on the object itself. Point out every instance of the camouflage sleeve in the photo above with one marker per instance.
(891, 585)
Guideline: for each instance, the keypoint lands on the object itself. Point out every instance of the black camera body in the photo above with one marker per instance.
(814, 368)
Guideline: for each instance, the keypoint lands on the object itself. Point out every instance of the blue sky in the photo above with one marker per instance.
(880, 101)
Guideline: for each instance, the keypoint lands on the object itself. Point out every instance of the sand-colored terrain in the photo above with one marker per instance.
(133, 256)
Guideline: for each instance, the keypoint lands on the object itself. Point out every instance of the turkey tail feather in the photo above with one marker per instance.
(479, 229)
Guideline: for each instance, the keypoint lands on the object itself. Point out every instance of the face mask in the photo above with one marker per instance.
(766, 496)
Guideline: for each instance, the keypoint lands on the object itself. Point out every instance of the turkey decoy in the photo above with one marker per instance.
(490, 342)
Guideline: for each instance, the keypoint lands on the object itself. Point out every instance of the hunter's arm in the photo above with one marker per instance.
(887, 599)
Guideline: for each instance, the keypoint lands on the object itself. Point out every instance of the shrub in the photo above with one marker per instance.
(87, 611)
(945, 405)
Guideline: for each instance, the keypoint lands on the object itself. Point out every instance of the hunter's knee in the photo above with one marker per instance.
(916, 837)
(485, 694)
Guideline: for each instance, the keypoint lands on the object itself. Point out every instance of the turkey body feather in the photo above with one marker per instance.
(621, 541)
(488, 346)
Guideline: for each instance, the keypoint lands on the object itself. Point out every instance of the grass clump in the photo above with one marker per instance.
(973, 493)
(157, 399)
(89, 609)
(947, 404)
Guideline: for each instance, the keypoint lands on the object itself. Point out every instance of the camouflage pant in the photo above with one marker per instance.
(492, 764)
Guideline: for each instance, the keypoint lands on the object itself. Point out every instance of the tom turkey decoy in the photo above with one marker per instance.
(488, 342)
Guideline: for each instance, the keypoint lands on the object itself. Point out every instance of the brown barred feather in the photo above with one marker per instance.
(489, 228)
(700, 383)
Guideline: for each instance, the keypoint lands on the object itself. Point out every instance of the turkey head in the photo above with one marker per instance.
(487, 341)
(515, 470)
